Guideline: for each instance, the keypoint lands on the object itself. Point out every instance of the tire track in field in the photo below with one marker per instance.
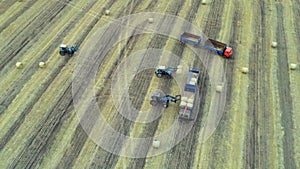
(285, 98)
(6, 4)
(229, 63)
(33, 153)
(296, 11)
(10, 94)
(78, 142)
(251, 152)
(212, 29)
(15, 89)
(18, 14)
(213, 23)
(80, 136)
(158, 41)
(17, 124)
(256, 141)
(185, 150)
(119, 123)
(46, 136)
(150, 129)
(21, 42)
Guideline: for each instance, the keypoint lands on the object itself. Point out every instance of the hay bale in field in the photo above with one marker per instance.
(42, 64)
(203, 2)
(182, 104)
(179, 67)
(150, 20)
(156, 143)
(219, 88)
(192, 82)
(179, 71)
(293, 66)
(185, 99)
(193, 79)
(190, 105)
(19, 65)
(274, 44)
(107, 12)
(190, 100)
(245, 70)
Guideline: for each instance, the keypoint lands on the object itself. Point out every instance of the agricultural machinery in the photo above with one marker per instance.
(188, 99)
(220, 48)
(163, 71)
(156, 99)
(64, 49)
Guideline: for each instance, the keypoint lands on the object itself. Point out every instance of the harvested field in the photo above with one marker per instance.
(50, 119)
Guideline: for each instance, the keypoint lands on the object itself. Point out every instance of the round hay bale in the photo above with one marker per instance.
(185, 99)
(190, 100)
(182, 104)
(192, 83)
(293, 66)
(42, 64)
(190, 105)
(179, 71)
(274, 44)
(194, 79)
(179, 67)
(156, 144)
(19, 65)
(150, 20)
(219, 88)
(245, 70)
(107, 12)
(203, 2)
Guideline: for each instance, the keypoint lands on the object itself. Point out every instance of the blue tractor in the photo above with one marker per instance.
(64, 49)
(156, 99)
(163, 71)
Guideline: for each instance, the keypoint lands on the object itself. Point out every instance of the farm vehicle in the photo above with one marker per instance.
(163, 71)
(157, 98)
(64, 49)
(220, 48)
(187, 99)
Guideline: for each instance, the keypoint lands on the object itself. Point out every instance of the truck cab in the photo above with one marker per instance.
(220, 48)
(227, 52)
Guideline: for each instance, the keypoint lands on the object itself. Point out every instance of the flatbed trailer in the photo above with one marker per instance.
(188, 100)
(220, 48)
(190, 38)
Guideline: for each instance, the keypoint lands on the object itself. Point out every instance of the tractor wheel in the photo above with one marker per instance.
(159, 75)
(153, 102)
(62, 53)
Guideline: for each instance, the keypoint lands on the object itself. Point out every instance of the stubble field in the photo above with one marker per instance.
(39, 127)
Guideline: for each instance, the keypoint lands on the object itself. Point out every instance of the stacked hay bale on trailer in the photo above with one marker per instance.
(189, 96)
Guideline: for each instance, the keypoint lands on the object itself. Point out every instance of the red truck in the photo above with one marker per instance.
(211, 44)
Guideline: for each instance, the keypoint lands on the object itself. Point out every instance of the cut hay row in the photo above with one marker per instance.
(293, 50)
(63, 77)
(258, 129)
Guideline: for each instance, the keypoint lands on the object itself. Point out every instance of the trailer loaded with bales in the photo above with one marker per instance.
(189, 96)
(219, 47)
(187, 100)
